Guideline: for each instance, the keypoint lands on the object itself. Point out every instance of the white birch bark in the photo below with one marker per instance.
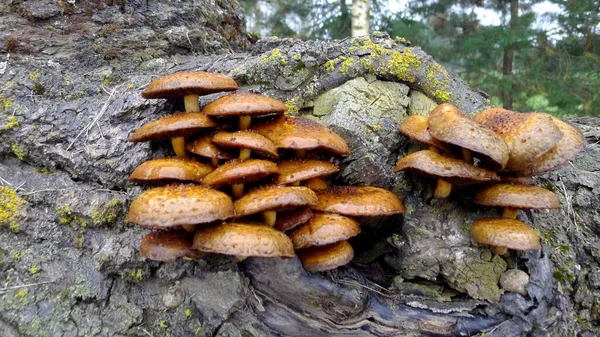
(360, 17)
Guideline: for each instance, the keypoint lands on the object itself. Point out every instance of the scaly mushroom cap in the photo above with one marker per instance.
(291, 171)
(454, 171)
(323, 229)
(175, 205)
(204, 147)
(416, 127)
(450, 125)
(291, 219)
(516, 196)
(167, 246)
(188, 83)
(358, 201)
(178, 125)
(571, 143)
(272, 198)
(240, 172)
(298, 133)
(505, 232)
(528, 135)
(170, 169)
(328, 257)
(244, 240)
(244, 104)
(245, 140)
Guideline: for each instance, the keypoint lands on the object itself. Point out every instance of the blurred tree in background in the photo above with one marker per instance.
(499, 46)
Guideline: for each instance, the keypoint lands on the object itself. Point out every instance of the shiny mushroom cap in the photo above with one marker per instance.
(170, 169)
(288, 220)
(516, 196)
(177, 125)
(323, 229)
(188, 83)
(273, 198)
(204, 147)
(244, 104)
(452, 170)
(167, 246)
(358, 201)
(240, 172)
(244, 240)
(528, 135)
(176, 205)
(450, 125)
(298, 133)
(504, 232)
(291, 171)
(245, 140)
(323, 258)
(416, 127)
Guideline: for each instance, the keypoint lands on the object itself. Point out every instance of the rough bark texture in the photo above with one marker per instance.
(68, 107)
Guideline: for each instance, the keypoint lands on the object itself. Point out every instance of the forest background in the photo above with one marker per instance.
(525, 55)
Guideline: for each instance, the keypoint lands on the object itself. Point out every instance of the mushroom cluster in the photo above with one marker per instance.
(499, 146)
(268, 199)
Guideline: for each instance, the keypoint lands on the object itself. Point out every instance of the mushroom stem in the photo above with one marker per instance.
(245, 153)
(215, 162)
(237, 190)
(191, 102)
(241, 257)
(316, 184)
(498, 250)
(245, 122)
(466, 155)
(442, 190)
(510, 212)
(300, 153)
(296, 183)
(189, 228)
(178, 144)
(269, 218)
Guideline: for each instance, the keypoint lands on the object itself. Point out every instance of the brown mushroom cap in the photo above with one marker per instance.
(176, 205)
(323, 229)
(516, 196)
(244, 104)
(288, 220)
(323, 258)
(416, 127)
(291, 171)
(298, 133)
(272, 198)
(245, 140)
(244, 240)
(188, 83)
(358, 201)
(240, 172)
(450, 125)
(167, 246)
(504, 232)
(528, 135)
(178, 125)
(454, 171)
(204, 147)
(169, 169)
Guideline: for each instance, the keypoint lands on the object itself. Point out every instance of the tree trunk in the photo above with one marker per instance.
(360, 17)
(509, 55)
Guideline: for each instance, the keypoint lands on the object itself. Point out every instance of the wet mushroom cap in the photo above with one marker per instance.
(244, 104)
(516, 196)
(169, 169)
(245, 140)
(505, 232)
(450, 125)
(416, 127)
(240, 172)
(274, 197)
(323, 258)
(244, 240)
(167, 246)
(188, 83)
(298, 133)
(204, 147)
(323, 229)
(288, 220)
(452, 170)
(176, 205)
(291, 171)
(178, 125)
(358, 201)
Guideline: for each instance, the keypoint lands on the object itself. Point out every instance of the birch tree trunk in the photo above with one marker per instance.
(360, 17)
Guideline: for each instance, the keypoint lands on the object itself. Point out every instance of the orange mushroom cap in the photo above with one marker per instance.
(291, 171)
(323, 229)
(516, 196)
(178, 125)
(358, 201)
(505, 232)
(245, 140)
(244, 104)
(240, 172)
(204, 147)
(416, 127)
(170, 169)
(323, 258)
(167, 246)
(274, 197)
(188, 83)
(288, 220)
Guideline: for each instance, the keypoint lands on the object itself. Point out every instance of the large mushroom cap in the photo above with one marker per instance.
(528, 135)
(204, 147)
(454, 171)
(504, 232)
(188, 82)
(169, 169)
(298, 133)
(244, 240)
(358, 201)
(177, 125)
(244, 104)
(240, 172)
(176, 205)
(291, 171)
(516, 196)
(288, 220)
(323, 229)
(245, 140)
(274, 198)
(167, 246)
(416, 127)
(323, 258)
(452, 126)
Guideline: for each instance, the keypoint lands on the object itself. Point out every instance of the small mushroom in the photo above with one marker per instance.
(416, 127)
(204, 147)
(169, 170)
(323, 258)
(244, 105)
(288, 220)
(240, 172)
(515, 280)
(295, 171)
(358, 201)
(168, 246)
(323, 229)
(515, 197)
(503, 233)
